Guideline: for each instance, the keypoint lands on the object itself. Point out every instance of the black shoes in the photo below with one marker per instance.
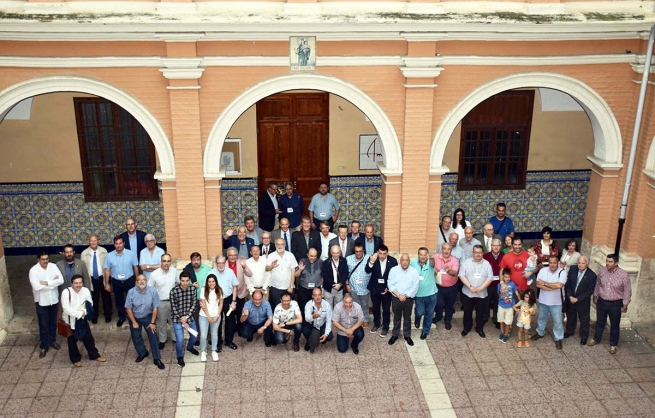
(567, 335)
(162, 345)
(583, 342)
(120, 323)
(435, 320)
(536, 337)
(249, 339)
(55, 346)
(356, 351)
(392, 340)
(140, 358)
(465, 332)
(448, 326)
(159, 364)
(409, 341)
(107, 320)
(497, 325)
(43, 352)
(193, 351)
(481, 334)
(424, 335)
(306, 347)
(94, 321)
(232, 346)
(268, 343)
(180, 361)
(558, 344)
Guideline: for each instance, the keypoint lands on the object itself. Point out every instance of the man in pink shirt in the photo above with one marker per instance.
(448, 265)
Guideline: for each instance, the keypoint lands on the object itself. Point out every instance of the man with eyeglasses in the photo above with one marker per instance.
(358, 279)
(334, 272)
(133, 238)
(267, 246)
(150, 257)
(282, 265)
(486, 237)
(45, 277)
(163, 280)
(291, 204)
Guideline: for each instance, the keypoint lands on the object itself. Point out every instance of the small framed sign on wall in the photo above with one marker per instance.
(370, 151)
(302, 53)
(231, 156)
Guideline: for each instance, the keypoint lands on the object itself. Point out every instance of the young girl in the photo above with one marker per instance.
(525, 308)
(532, 264)
(209, 317)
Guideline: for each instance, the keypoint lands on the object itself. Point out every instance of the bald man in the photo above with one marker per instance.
(403, 285)
(580, 285)
(241, 242)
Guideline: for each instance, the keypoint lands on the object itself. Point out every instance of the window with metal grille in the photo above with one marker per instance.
(495, 142)
(118, 157)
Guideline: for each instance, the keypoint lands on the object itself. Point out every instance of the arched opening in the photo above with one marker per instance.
(570, 125)
(50, 195)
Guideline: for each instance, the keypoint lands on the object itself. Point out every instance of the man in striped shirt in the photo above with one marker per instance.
(611, 297)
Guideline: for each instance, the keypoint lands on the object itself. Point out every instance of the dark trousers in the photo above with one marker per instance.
(575, 310)
(302, 296)
(99, 293)
(137, 338)
(342, 340)
(89, 346)
(241, 302)
(402, 310)
(275, 296)
(313, 334)
(603, 309)
(279, 337)
(492, 290)
(121, 287)
(381, 310)
(230, 323)
(446, 297)
(480, 305)
(318, 224)
(249, 330)
(47, 317)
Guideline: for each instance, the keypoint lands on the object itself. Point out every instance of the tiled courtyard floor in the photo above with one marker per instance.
(482, 377)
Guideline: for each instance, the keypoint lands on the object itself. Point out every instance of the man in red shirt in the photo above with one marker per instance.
(516, 261)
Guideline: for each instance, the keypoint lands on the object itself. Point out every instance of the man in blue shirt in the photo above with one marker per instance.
(323, 207)
(291, 204)
(141, 307)
(257, 316)
(403, 285)
(502, 224)
(121, 267)
(426, 296)
(358, 280)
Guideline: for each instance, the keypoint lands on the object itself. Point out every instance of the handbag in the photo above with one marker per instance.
(63, 328)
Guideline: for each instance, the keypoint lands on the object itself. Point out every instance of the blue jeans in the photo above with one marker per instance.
(120, 288)
(178, 328)
(137, 338)
(613, 309)
(425, 307)
(248, 330)
(342, 340)
(555, 313)
(212, 327)
(446, 297)
(47, 317)
(278, 336)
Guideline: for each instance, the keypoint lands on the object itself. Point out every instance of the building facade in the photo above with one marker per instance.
(410, 109)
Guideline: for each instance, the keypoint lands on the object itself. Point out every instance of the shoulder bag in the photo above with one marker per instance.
(63, 328)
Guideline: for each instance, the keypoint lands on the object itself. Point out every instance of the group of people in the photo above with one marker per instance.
(287, 283)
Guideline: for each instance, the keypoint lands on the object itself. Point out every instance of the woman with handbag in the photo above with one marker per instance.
(76, 303)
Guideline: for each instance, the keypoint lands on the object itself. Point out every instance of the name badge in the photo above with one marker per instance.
(443, 271)
(421, 277)
(310, 285)
(477, 275)
(121, 277)
(322, 214)
(496, 278)
(381, 281)
(289, 210)
(358, 281)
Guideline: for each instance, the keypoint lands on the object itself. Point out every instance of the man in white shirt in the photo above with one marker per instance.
(164, 280)
(282, 265)
(94, 257)
(326, 237)
(44, 278)
(259, 277)
(287, 319)
(317, 326)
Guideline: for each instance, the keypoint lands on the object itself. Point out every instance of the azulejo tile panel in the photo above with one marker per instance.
(360, 198)
(554, 198)
(55, 214)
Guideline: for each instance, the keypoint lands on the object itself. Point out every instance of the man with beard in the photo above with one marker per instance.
(323, 207)
(70, 266)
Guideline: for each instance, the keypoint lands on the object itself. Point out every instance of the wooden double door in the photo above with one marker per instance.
(293, 141)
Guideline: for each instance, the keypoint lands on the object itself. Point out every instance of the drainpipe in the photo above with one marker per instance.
(635, 138)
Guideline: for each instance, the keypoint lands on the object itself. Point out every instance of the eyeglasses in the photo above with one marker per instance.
(130, 224)
(359, 251)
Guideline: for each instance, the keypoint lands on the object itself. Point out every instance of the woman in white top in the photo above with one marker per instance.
(73, 303)
(209, 317)
(570, 256)
(460, 222)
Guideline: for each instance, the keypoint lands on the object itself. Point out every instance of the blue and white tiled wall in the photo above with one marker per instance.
(55, 214)
(551, 198)
(360, 198)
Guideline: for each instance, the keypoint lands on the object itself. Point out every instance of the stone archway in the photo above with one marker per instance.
(607, 135)
(393, 161)
(33, 87)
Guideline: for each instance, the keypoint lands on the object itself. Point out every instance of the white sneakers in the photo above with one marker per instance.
(203, 356)
(214, 356)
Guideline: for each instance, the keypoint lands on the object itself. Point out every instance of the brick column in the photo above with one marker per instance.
(599, 227)
(390, 211)
(181, 68)
(434, 211)
(214, 217)
(169, 202)
(6, 304)
(421, 67)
